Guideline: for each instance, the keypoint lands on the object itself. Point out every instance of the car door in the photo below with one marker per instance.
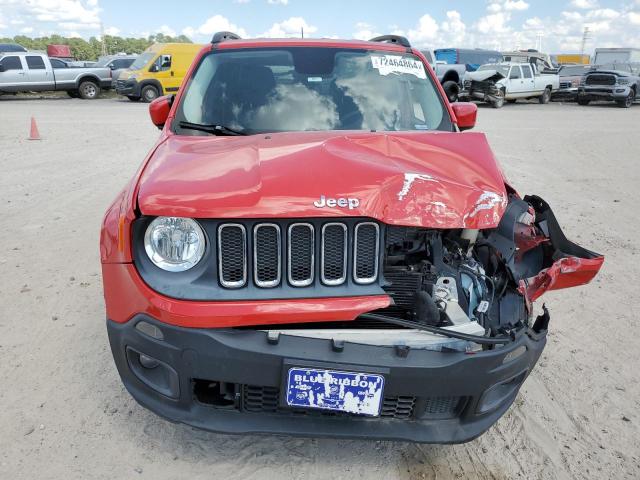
(39, 76)
(528, 81)
(164, 72)
(516, 84)
(13, 74)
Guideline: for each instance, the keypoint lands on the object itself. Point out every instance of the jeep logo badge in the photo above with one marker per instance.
(350, 203)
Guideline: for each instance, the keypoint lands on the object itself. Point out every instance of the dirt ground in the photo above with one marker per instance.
(65, 414)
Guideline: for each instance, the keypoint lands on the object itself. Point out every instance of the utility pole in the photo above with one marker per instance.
(301, 32)
(104, 43)
(586, 35)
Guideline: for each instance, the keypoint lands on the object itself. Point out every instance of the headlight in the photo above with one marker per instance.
(623, 81)
(174, 244)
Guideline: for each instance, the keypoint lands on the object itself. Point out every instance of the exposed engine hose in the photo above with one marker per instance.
(501, 340)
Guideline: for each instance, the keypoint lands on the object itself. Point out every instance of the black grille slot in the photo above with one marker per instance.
(600, 79)
(398, 407)
(301, 254)
(232, 255)
(334, 253)
(366, 251)
(260, 399)
(266, 254)
(439, 407)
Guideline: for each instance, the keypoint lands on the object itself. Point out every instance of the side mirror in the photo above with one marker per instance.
(159, 110)
(154, 68)
(466, 113)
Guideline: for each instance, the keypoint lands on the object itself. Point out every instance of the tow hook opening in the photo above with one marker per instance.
(500, 393)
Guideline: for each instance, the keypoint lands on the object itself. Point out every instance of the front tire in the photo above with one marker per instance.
(499, 100)
(546, 96)
(88, 90)
(583, 101)
(149, 93)
(628, 101)
(452, 90)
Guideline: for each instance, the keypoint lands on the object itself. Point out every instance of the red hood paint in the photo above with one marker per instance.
(428, 179)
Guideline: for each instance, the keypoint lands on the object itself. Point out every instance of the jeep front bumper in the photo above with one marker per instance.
(230, 380)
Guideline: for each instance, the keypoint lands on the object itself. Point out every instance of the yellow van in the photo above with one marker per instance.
(159, 70)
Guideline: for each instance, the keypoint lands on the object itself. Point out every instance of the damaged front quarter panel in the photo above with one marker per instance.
(536, 251)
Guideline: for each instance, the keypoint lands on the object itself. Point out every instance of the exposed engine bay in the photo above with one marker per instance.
(466, 290)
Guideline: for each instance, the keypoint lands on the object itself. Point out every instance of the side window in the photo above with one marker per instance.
(11, 63)
(55, 63)
(162, 64)
(526, 72)
(35, 63)
(515, 73)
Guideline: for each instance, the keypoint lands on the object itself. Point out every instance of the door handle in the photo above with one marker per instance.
(172, 73)
(20, 73)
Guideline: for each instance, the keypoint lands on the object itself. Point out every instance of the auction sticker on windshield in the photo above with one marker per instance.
(394, 64)
(359, 393)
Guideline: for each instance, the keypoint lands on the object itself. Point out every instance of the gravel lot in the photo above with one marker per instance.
(65, 414)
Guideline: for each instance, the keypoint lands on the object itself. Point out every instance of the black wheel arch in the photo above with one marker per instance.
(88, 77)
(451, 76)
(153, 82)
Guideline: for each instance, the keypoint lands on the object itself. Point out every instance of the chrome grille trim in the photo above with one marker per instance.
(308, 281)
(223, 282)
(341, 280)
(372, 278)
(258, 282)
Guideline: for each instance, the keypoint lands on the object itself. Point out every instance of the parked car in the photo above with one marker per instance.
(296, 256)
(509, 82)
(570, 77)
(34, 72)
(157, 71)
(616, 83)
(450, 76)
(117, 64)
(11, 47)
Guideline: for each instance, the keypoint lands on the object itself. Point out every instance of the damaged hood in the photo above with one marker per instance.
(428, 179)
(481, 76)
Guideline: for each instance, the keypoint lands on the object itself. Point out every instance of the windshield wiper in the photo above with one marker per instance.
(211, 128)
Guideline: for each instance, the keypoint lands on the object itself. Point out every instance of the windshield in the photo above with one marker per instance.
(142, 60)
(503, 69)
(303, 89)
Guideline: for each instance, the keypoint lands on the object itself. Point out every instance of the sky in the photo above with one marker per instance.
(554, 26)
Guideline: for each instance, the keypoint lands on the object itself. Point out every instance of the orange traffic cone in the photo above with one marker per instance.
(34, 134)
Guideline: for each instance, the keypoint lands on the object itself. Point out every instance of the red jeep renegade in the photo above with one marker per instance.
(313, 247)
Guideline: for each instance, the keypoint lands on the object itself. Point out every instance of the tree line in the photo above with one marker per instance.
(91, 49)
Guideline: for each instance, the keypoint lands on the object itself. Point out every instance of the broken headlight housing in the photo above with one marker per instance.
(174, 244)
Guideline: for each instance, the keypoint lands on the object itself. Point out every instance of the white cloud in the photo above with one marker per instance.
(278, 2)
(292, 27)
(634, 18)
(515, 5)
(425, 33)
(166, 30)
(26, 30)
(365, 31)
(584, 4)
(113, 31)
(214, 24)
(56, 16)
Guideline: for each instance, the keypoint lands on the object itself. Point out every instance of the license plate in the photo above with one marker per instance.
(352, 392)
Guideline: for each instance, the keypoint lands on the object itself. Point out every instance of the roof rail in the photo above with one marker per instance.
(392, 39)
(223, 36)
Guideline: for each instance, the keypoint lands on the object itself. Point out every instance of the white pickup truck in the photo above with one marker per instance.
(36, 72)
(497, 83)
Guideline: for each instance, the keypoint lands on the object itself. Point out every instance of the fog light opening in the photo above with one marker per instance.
(148, 362)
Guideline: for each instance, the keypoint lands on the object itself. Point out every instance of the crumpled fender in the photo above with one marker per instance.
(536, 251)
